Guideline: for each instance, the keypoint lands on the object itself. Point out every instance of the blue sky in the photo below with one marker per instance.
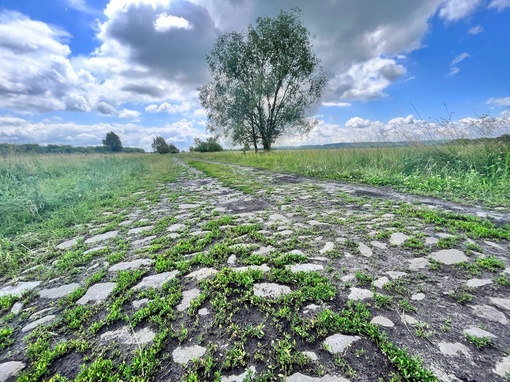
(73, 70)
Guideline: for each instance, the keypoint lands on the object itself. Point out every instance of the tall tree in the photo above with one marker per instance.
(264, 81)
(112, 141)
(159, 144)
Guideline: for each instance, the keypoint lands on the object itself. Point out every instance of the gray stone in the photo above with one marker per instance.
(264, 250)
(188, 206)
(183, 355)
(418, 296)
(382, 321)
(141, 242)
(203, 312)
(407, 319)
(476, 283)
(493, 245)
(489, 313)
(358, 294)
(67, 244)
(338, 343)
(278, 218)
(347, 278)
(365, 250)
(431, 240)
(61, 291)
(38, 322)
(176, 227)
(125, 223)
(155, 281)
(264, 268)
(378, 244)
(311, 355)
(124, 335)
(503, 303)
(453, 349)
(97, 292)
(503, 367)
(41, 313)
(394, 275)
(294, 268)
(398, 238)
(449, 256)
(95, 249)
(241, 377)
(298, 377)
(187, 297)
(329, 246)
(101, 237)
(135, 231)
(477, 332)
(16, 308)
(10, 369)
(202, 273)
(173, 235)
(140, 303)
(418, 263)
(270, 290)
(232, 259)
(310, 308)
(380, 282)
(286, 232)
(18, 289)
(130, 265)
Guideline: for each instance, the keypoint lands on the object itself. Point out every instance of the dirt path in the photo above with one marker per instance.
(300, 281)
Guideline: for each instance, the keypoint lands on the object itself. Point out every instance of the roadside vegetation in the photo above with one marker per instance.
(473, 172)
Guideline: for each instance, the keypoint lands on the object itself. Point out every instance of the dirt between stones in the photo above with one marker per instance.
(429, 313)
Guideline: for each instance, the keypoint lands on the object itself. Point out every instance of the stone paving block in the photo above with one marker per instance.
(187, 297)
(270, 290)
(398, 238)
(329, 246)
(503, 303)
(454, 349)
(125, 335)
(67, 244)
(102, 237)
(183, 355)
(137, 230)
(418, 263)
(381, 282)
(155, 281)
(58, 292)
(358, 294)
(477, 332)
(38, 322)
(18, 289)
(201, 274)
(449, 256)
(294, 268)
(338, 343)
(96, 293)
(125, 265)
(476, 283)
(382, 321)
(365, 250)
(298, 377)
(10, 370)
(241, 377)
(489, 313)
(502, 368)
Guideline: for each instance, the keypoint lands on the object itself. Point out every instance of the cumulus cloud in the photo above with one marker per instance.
(358, 123)
(166, 22)
(454, 10)
(131, 114)
(499, 4)
(169, 108)
(336, 104)
(499, 101)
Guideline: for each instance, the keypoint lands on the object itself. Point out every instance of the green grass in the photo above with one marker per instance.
(474, 173)
(46, 199)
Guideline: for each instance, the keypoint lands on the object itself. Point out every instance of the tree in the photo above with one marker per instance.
(112, 141)
(210, 145)
(159, 144)
(264, 82)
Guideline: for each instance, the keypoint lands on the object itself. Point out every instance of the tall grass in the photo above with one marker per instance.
(33, 187)
(474, 172)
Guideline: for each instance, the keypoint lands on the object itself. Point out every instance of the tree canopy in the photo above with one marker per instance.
(211, 144)
(159, 145)
(264, 82)
(112, 141)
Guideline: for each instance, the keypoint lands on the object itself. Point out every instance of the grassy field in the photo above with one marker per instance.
(47, 198)
(477, 173)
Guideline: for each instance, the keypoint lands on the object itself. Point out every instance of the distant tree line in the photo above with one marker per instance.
(209, 145)
(33, 148)
(159, 145)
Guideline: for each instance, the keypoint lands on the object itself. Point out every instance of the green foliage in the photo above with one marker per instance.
(480, 342)
(208, 146)
(112, 141)
(491, 263)
(6, 337)
(273, 65)
(159, 145)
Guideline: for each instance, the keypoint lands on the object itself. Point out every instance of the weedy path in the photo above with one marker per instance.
(293, 279)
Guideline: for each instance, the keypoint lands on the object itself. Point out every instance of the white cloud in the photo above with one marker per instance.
(131, 114)
(358, 123)
(454, 10)
(409, 120)
(499, 4)
(499, 101)
(169, 108)
(460, 58)
(475, 30)
(166, 22)
(336, 104)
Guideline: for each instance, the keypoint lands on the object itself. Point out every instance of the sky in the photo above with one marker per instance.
(73, 70)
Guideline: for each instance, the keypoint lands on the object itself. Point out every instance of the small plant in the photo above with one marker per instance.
(446, 325)
(491, 263)
(413, 243)
(6, 337)
(462, 295)
(423, 330)
(474, 247)
(479, 342)
(406, 306)
(503, 280)
(363, 278)
(382, 301)
(434, 265)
